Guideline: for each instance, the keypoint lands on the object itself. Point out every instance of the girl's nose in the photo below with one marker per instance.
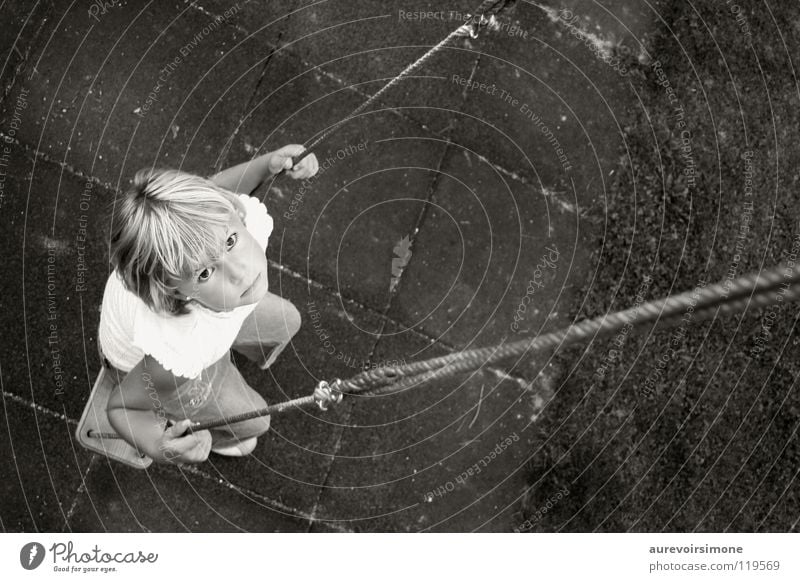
(235, 270)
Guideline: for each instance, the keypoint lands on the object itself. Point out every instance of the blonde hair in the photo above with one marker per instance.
(165, 228)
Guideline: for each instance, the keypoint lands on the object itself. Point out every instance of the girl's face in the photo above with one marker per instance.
(237, 278)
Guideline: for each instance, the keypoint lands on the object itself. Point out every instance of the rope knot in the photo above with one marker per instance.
(326, 394)
(475, 23)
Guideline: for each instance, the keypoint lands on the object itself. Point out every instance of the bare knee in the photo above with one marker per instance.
(258, 426)
(249, 428)
(293, 320)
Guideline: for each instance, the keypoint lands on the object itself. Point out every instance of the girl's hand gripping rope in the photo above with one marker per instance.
(177, 445)
(287, 159)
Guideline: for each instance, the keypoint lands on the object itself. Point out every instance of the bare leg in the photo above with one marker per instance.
(268, 330)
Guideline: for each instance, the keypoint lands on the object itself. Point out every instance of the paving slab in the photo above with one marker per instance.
(267, 19)
(42, 468)
(168, 499)
(447, 456)
(54, 241)
(360, 47)
(22, 23)
(333, 34)
(495, 260)
(366, 44)
(551, 110)
(135, 88)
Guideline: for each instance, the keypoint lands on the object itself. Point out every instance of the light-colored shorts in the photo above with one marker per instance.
(220, 390)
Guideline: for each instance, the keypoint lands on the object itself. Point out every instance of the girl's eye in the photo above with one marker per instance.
(204, 275)
(231, 242)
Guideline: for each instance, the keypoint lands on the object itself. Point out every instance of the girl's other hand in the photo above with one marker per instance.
(176, 447)
(282, 160)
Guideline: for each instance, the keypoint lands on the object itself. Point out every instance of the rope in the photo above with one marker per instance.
(711, 295)
(576, 333)
(766, 288)
(488, 7)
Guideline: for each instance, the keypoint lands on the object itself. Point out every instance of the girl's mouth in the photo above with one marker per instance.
(252, 286)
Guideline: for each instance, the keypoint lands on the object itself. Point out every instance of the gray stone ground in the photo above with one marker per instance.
(476, 181)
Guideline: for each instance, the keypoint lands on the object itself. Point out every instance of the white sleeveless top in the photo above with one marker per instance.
(183, 344)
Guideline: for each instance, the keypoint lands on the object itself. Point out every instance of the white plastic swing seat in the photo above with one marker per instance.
(95, 420)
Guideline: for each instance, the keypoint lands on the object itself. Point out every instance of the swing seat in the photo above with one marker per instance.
(95, 421)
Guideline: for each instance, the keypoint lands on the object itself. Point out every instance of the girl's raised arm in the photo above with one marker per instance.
(245, 177)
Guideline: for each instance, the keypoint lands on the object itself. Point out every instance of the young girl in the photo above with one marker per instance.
(189, 283)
